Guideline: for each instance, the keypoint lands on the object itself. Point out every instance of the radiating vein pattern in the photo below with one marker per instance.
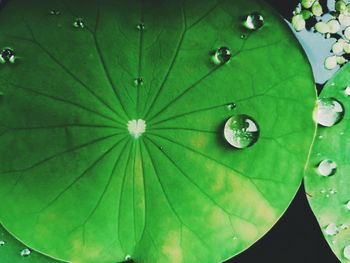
(112, 127)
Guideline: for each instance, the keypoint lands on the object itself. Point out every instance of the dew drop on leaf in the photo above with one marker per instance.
(346, 252)
(231, 106)
(7, 55)
(221, 56)
(2, 243)
(79, 23)
(55, 12)
(138, 82)
(141, 26)
(331, 229)
(347, 91)
(25, 252)
(327, 168)
(241, 131)
(348, 205)
(254, 21)
(329, 112)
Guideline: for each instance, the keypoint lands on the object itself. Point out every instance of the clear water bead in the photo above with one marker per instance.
(141, 26)
(231, 106)
(254, 21)
(79, 23)
(7, 55)
(347, 91)
(221, 56)
(138, 82)
(348, 205)
(2, 243)
(327, 168)
(346, 252)
(25, 252)
(331, 229)
(55, 12)
(241, 131)
(329, 112)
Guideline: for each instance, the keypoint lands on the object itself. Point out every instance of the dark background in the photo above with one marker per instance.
(297, 237)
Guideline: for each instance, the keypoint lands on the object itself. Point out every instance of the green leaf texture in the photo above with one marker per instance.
(11, 251)
(329, 195)
(75, 184)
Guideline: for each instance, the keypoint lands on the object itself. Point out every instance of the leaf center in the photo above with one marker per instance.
(136, 127)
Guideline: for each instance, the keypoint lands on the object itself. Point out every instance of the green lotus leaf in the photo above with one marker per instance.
(112, 127)
(12, 251)
(327, 176)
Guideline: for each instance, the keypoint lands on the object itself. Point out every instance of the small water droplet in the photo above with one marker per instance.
(2, 243)
(331, 229)
(221, 56)
(348, 205)
(7, 55)
(329, 112)
(323, 191)
(346, 252)
(127, 257)
(344, 227)
(161, 148)
(241, 131)
(141, 26)
(254, 21)
(55, 12)
(79, 23)
(25, 252)
(243, 36)
(332, 191)
(327, 168)
(138, 82)
(231, 106)
(347, 91)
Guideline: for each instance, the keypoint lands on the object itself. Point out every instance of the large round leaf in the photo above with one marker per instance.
(327, 183)
(77, 185)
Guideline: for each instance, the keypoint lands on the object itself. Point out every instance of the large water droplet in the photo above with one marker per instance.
(241, 131)
(254, 21)
(25, 252)
(329, 112)
(2, 243)
(331, 229)
(346, 252)
(7, 55)
(79, 23)
(141, 26)
(221, 56)
(327, 168)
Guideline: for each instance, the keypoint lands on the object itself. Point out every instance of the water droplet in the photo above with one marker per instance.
(243, 36)
(254, 21)
(331, 229)
(348, 205)
(7, 55)
(231, 106)
(346, 252)
(329, 112)
(127, 257)
(347, 91)
(25, 252)
(344, 227)
(2, 243)
(55, 12)
(222, 56)
(141, 26)
(138, 82)
(332, 191)
(327, 168)
(241, 131)
(323, 191)
(79, 23)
